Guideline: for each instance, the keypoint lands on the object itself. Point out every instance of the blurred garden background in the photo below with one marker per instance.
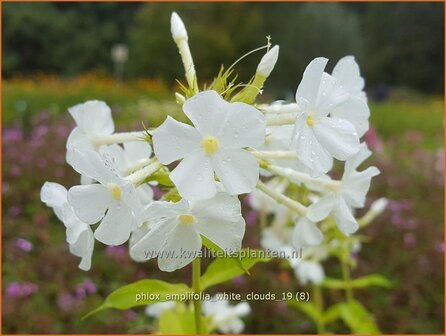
(56, 55)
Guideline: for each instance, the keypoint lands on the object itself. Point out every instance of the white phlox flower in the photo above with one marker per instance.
(214, 145)
(93, 118)
(308, 271)
(306, 233)
(355, 108)
(112, 200)
(156, 309)
(174, 229)
(225, 317)
(318, 138)
(347, 194)
(79, 234)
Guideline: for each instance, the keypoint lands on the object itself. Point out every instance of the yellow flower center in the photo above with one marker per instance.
(310, 121)
(210, 145)
(115, 190)
(186, 219)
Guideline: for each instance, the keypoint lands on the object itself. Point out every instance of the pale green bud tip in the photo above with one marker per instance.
(177, 27)
(379, 205)
(268, 61)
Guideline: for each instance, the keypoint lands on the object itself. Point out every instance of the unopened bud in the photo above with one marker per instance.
(379, 205)
(177, 27)
(268, 61)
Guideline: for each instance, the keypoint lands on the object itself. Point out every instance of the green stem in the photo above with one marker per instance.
(319, 302)
(196, 273)
(347, 279)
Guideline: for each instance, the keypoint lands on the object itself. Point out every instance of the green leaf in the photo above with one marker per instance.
(224, 269)
(132, 295)
(306, 307)
(179, 322)
(367, 281)
(332, 314)
(357, 318)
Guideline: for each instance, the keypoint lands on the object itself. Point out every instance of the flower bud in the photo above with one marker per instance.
(177, 27)
(268, 61)
(379, 205)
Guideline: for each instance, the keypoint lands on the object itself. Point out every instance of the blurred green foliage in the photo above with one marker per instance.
(396, 43)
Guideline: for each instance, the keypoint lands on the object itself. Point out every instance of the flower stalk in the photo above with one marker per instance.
(117, 138)
(196, 274)
(139, 176)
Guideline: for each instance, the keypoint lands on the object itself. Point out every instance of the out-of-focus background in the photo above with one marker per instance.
(59, 54)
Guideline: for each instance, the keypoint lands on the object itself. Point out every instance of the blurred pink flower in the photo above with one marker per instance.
(20, 290)
(373, 140)
(12, 134)
(23, 244)
(15, 211)
(410, 240)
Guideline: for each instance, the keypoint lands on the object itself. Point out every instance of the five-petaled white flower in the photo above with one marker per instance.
(174, 230)
(79, 234)
(349, 193)
(215, 144)
(93, 119)
(112, 201)
(318, 138)
(355, 108)
(224, 317)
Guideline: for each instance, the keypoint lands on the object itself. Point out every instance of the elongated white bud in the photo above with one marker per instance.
(268, 61)
(177, 27)
(379, 205)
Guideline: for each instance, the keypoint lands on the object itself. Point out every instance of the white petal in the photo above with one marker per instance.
(306, 233)
(356, 185)
(337, 136)
(237, 169)
(53, 194)
(194, 177)
(83, 247)
(136, 151)
(174, 140)
(344, 218)
(151, 244)
(310, 152)
(89, 202)
(242, 309)
(231, 325)
(79, 140)
(116, 226)
(322, 208)
(311, 80)
(219, 219)
(355, 161)
(356, 111)
(116, 154)
(244, 126)
(208, 111)
(145, 194)
(184, 243)
(348, 73)
(93, 117)
(91, 164)
(330, 95)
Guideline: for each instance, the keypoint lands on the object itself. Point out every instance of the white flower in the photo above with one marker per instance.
(268, 61)
(93, 118)
(177, 27)
(276, 240)
(156, 309)
(355, 109)
(175, 228)
(318, 138)
(308, 271)
(224, 317)
(216, 145)
(306, 233)
(111, 201)
(349, 193)
(79, 234)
